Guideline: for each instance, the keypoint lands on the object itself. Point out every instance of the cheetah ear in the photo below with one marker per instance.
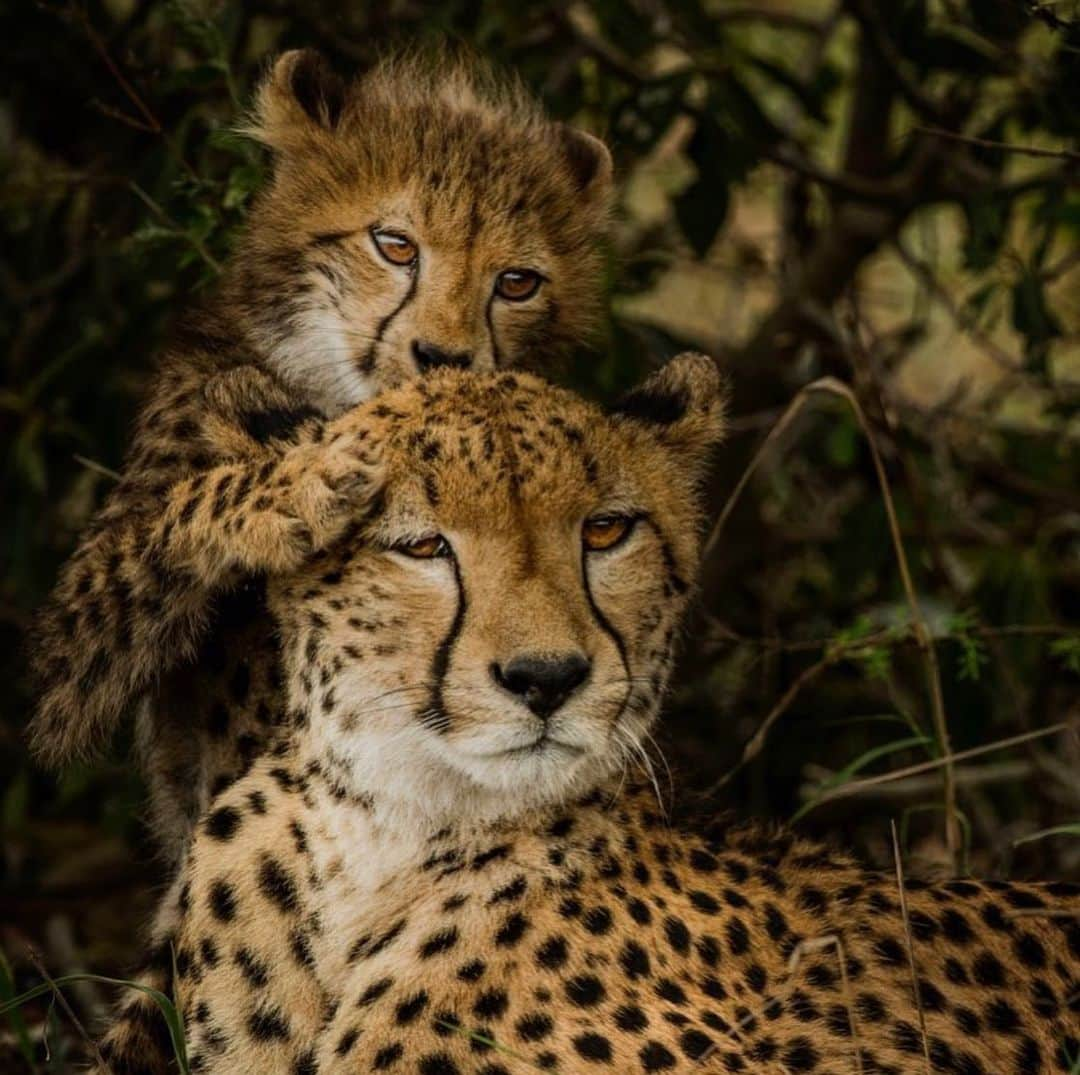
(683, 404)
(299, 95)
(589, 161)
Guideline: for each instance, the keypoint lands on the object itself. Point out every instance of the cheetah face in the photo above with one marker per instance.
(418, 219)
(499, 635)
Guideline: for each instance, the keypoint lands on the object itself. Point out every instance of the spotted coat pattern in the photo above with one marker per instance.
(371, 897)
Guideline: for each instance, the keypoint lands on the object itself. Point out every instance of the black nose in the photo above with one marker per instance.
(430, 357)
(543, 683)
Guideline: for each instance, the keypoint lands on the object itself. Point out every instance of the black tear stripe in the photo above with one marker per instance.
(275, 423)
(436, 716)
(675, 581)
(496, 358)
(607, 628)
(368, 364)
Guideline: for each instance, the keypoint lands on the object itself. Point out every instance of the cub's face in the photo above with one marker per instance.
(423, 217)
(499, 635)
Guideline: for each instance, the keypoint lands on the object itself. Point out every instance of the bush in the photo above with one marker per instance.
(881, 194)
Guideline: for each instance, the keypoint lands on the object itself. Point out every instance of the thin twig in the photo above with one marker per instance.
(129, 90)
(898, 634)
(910, 945)
(123, 117)
(848, 183)
(804, 948)
(1006, 147)
(197, 244)
(858, 786)
(58, 994)
(151, 121)
(923, 637)
(1008, 362)
(869, 18)
(788, 20)
(1042, 912)
(790, 413)
(757, 741)
(97, 468)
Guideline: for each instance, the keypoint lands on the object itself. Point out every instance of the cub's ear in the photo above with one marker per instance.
(300, 94)
(684, 404)
(589, 162)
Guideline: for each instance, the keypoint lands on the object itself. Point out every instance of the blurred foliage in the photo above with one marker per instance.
(927, 146)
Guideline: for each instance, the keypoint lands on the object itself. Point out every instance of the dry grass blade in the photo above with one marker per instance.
(757, 740)
(1039, 912)
(96, 467)
(791, 412)
(486, 1042)
(808, 947)
(923, 638)
(59, 997)
(858, 786)
(910, 946)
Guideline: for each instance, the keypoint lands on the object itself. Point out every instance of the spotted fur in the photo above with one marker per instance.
(243, 462)
(427, 876)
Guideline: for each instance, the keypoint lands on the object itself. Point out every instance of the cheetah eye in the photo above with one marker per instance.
(517, 285)
(426, 548)
(398, 249)
(606, 531)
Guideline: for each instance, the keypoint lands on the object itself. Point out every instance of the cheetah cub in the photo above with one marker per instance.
(444, 868)
(427, 215)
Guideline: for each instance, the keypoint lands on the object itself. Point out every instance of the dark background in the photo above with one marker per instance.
(884, 192)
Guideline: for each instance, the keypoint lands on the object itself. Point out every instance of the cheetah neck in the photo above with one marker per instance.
(374, 862)
(305, 342)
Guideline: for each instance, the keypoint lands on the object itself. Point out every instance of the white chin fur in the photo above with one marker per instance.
(318, 358)
(413, 770)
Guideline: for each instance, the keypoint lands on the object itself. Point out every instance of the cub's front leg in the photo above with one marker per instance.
(235, 482)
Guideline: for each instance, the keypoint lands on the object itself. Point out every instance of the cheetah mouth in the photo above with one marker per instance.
(537, 746)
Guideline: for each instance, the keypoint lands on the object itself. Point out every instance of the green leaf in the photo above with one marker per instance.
(987, 225)
(165, 1005)
(841, 444)
(702, 207)
(1031, 316)
(16, 800)
(18, 1024)
(1067, 650)
(1071, 829)
(243, 182)
(701, 210)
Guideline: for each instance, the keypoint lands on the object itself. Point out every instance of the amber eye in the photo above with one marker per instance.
(398, 249)
(517, 285)
(606, 531)
(428, 548)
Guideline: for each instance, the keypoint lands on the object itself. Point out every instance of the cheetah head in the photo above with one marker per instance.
(498, 634)
(425, 215)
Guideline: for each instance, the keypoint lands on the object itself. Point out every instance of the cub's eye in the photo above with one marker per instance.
(428, 548)
(398, 249)
(517, 285)
(606, 531)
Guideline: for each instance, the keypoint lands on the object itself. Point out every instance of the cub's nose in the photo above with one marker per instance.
(430, 357)
(543, 682)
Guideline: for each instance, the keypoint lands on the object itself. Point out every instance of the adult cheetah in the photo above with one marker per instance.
(439, 869)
